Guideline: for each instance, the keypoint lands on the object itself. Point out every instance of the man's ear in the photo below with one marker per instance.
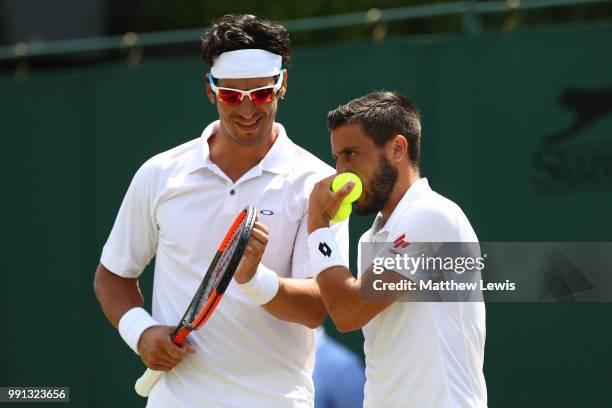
(209, 92)
(400, 148)
(283, 90)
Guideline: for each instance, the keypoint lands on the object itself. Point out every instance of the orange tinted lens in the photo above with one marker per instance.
(262, 95)
(231, 97)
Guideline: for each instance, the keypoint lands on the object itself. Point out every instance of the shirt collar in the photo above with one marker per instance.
(277, 160)
(417, 190)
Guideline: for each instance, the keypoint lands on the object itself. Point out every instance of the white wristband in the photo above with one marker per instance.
(262, 287)
(324, 252)
(133, 323)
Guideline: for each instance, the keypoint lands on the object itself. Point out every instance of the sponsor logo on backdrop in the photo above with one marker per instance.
(566, 160)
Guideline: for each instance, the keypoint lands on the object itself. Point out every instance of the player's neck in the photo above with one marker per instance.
(235, 159)
(404, 181)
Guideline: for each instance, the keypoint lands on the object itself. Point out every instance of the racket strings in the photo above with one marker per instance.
(218, 271)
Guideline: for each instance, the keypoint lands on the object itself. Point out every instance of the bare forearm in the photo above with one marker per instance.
(341, 294)
(298, 301)
(116, 295)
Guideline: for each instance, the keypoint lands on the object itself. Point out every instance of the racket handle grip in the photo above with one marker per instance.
(145, 383)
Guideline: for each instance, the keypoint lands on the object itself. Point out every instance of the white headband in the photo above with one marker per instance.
(250, 63)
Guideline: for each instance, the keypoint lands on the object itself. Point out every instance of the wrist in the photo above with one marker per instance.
(316, 222)
(241, 279)
(262, 287)
(133, 323)
(324, 252)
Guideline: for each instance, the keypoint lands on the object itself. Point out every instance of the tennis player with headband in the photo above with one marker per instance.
(257, 349)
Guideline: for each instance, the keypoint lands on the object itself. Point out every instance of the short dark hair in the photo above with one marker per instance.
(383, 115)
(244, 31)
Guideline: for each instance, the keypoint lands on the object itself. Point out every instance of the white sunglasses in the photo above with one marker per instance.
(234, 96)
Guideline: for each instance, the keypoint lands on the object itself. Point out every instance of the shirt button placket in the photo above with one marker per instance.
(231, 200)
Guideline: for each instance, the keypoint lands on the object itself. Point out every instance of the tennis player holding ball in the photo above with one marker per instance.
(257, 348)
(418, 355)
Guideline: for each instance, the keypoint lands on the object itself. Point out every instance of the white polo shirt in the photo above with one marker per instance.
(178, 208)
(427, 354)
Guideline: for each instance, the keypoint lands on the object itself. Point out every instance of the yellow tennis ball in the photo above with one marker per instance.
(343, 212)
(341, 179)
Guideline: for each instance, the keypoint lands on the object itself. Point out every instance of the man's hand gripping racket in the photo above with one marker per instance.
(212, 288)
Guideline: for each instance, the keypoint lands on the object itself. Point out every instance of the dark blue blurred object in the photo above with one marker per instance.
(339, 376)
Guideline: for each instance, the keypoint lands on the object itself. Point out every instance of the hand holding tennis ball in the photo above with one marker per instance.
(346, 207)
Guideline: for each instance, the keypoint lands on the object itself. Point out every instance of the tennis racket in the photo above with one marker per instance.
(217, 278)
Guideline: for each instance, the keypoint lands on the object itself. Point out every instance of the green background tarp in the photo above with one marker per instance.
(494, 110)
